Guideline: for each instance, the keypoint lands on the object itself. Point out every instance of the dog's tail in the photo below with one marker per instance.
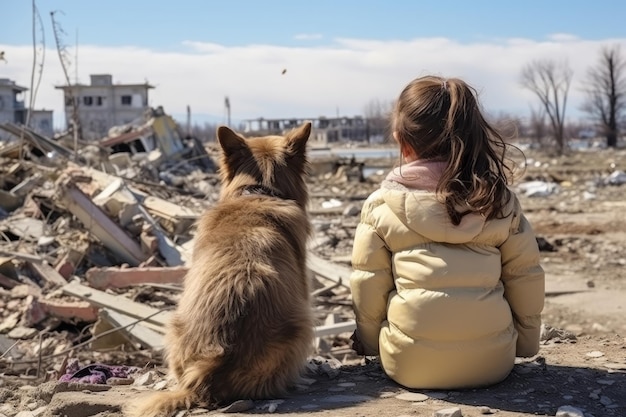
(193, 388)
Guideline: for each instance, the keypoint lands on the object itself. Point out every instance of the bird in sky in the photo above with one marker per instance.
(284, 71)
(2, 58)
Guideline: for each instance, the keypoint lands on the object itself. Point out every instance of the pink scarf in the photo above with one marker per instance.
(419, 174)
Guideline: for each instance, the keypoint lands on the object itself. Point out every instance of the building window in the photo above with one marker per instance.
(68, 100)
(88, 101)
(127, 100)
(99, 101)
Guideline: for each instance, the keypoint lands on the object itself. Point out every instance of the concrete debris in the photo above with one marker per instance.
(449, 412)
(616, 178)
(538, 188)
(95, 242)
(94, 246)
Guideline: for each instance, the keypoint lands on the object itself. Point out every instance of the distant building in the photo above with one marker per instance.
(102, 104)
(41, 122)
(13, 109)
(324, 131)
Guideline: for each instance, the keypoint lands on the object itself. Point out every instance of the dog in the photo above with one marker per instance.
(243, 328)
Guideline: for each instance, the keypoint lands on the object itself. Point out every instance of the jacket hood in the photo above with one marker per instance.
(409, 191)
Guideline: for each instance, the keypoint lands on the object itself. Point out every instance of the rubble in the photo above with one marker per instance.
(94, 245)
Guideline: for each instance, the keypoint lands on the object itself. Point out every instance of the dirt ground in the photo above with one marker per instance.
(581, 366)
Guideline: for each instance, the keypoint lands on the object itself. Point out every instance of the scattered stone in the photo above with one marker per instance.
(605, 381)
(39, 411)
(272, 405)
(346, 399)
(145, 379)
(120, 381)
(10, 322)
(549, 333)
(346, 384)
(8, 410)
(331, 367)
(594, 354)
(412, 396)
(569, 411)
(238, 406)
(604, 400)
(449, 412)
(22, 333)
(161, 385)
(487, 410)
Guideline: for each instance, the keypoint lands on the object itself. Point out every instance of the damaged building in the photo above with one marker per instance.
(102, 104)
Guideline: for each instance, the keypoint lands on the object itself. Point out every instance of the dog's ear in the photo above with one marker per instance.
(230, 141)
(298, 138)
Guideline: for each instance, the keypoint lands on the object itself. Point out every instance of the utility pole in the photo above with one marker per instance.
(227, 106)
(188, 120)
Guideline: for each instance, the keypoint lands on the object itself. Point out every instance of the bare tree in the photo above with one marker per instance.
(550, 81)
(65, 61)
(537, 126)
(605, 86)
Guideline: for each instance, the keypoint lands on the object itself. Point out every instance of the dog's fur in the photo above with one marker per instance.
(243, 328)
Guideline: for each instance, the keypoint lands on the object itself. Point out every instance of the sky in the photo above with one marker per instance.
(340, 56)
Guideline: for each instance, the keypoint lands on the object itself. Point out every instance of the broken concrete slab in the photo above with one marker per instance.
(101, 278)
(98, 223)
(118, 303)
(46, 273)
(168, 249)
(136, 332)
(337, 328)
(69, 311)
(27, 228)
(329, 270)
(175, 218)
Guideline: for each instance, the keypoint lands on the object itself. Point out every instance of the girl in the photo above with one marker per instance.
(447, 286)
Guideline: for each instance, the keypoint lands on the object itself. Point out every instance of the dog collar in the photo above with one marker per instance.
(258, 189)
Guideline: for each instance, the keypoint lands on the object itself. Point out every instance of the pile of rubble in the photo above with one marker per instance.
(94, 245)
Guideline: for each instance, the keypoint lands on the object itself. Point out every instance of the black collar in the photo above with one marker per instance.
(258, 189)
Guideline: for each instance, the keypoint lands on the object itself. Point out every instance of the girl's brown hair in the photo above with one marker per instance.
(440, 119)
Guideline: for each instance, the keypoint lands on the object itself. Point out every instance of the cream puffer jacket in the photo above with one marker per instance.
(444, 306)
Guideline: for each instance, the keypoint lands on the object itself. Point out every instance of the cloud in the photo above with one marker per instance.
(342, 76)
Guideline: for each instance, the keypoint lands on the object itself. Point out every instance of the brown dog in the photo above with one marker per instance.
(244, 326)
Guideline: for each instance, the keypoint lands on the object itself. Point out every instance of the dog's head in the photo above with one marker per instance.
(276, 164)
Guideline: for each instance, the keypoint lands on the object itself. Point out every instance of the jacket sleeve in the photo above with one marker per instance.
(524, 283)
(371, 281)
